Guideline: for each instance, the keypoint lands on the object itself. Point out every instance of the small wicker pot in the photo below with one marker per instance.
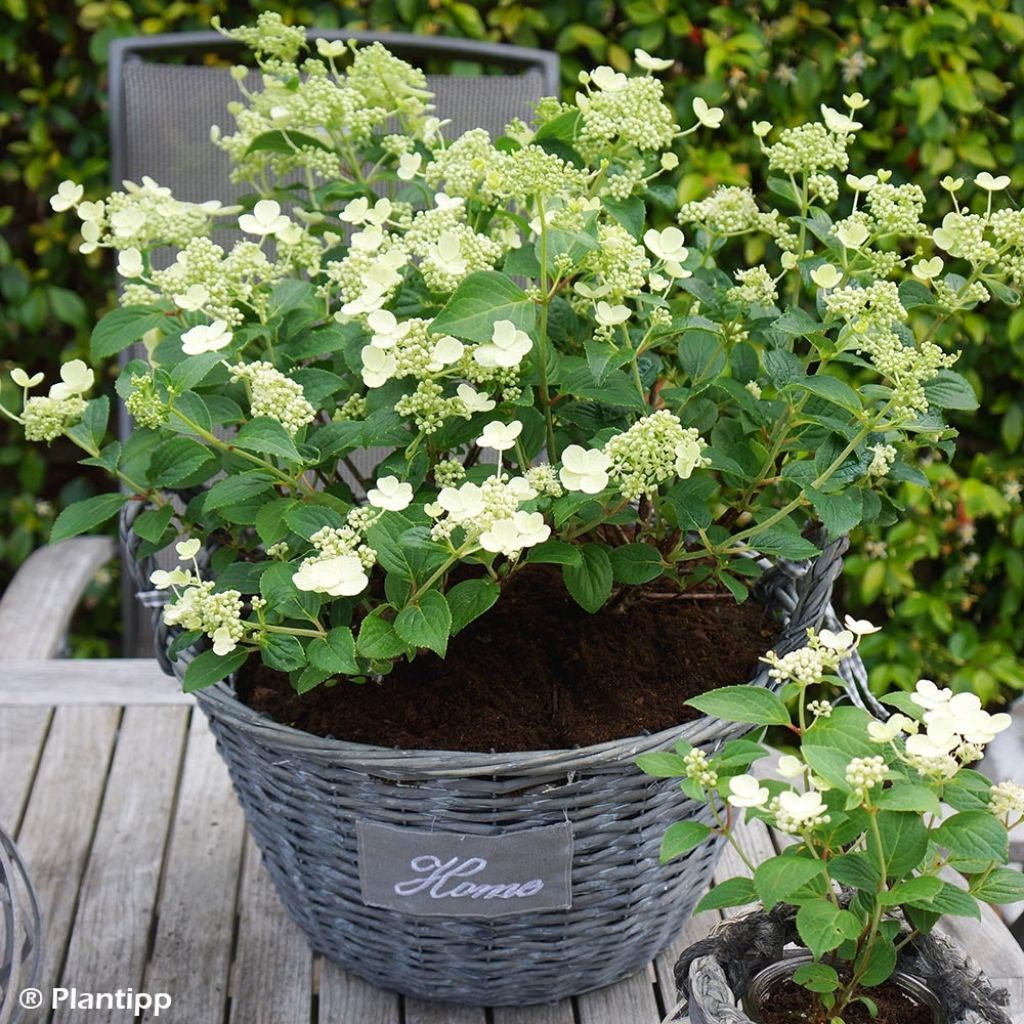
(307, 798)
(21, 939)
(720, 978)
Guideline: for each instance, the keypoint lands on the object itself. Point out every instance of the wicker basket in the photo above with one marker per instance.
(303, 795)
(21, 940)
(715, 974)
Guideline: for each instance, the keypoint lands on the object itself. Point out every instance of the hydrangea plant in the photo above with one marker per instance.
(553, 361)
(876, 812)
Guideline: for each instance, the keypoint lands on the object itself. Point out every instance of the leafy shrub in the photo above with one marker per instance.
(953, 101)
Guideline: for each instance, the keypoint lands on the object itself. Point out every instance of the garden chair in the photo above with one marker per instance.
(160, 118)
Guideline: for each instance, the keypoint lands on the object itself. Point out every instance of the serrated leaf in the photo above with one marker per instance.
(973, 835)
(122, 327)
(150, 525)
(267, 437)
(662, 765)
(335, 653)
(635, 563)
(733, 892)
(469, 600)
(427, 623)
(377, 638)
(590, 582)
(479, 302)
(779, 877)
(235, 490)
(750, 704)
(555, 552)
(682, 837)
(208, 668)
(950, 390)
(823, 926)
(83, 516)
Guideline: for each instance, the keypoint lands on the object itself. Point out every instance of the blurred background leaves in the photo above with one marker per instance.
(945, 83)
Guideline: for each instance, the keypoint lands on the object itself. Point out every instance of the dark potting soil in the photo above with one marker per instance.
(788, 1003)
(537, 672)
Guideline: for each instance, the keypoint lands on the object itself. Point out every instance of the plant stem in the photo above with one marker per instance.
(542, 339)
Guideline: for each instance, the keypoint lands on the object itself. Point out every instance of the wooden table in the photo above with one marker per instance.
(124, 813)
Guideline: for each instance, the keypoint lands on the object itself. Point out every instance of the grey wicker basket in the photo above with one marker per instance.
(21, 932)
(303, 796)
(714, 974)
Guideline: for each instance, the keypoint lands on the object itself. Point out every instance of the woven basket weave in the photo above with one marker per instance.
(303, 794)
(21, 931)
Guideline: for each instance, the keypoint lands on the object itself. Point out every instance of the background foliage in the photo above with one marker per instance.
(945, 79)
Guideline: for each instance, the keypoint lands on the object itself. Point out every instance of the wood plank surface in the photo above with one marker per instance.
(110, 938)
(117, 682)
(629, 1000)
(273, 971)
(22, 732)
(419, 1011)
(191, 957)
(346, 999)
(555, 1013)
(57, 832)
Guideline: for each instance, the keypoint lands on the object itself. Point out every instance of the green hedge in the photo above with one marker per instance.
(945, 80)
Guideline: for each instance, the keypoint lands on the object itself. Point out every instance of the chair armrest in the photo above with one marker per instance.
(36, 609)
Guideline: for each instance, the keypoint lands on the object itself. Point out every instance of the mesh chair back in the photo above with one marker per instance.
(161, 116)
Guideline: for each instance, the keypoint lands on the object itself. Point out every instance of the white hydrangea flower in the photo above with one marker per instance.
(992, 184)
(447, 254)
(500, 436)
(473, 400)
(510, 536)
(164, 579)
(338, 576)
(464, 503)
(266, 219)
(331, 49)
(370, 239)
(790, 767)
(129, 263)
(611, 316)
(127, 222)
(746, 791)
(710, 117)
(926, 270)
(826, 276)
(928, 696)
(838, 122)
(193, 298)
(507, 348)
(75, 379)
(689, 454)
(762, 128)
(962, 715)
(23, 380)
(1006, 798)
(584, 470)
(379, 366)
(409, 166)
(852, 234)
(865, 183)
(446, 351)
(206, 338)
(387, 330)
(355, 211)
(860, 627)
(666, 244)
(799, 811)
(839, 642)
(90, 237)
(649, 63)
(608, 79)
(188, 549)
(391, 494)
(68, 194)
(223, 642)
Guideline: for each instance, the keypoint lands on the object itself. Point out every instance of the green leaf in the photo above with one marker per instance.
(335, 653)
(839, 513)
(733, 892)
(150, 525)
(921, 889)
(797, 323)
(235, 490)
(590, 582)
(310, 678)
(833, 390)
(85, 515)
(469, 599)
(816, 977)
(830, 764)
(427, 623)
(682, 837)
(856, 870)
(973, 835)
(378, 639)
(662, 765)
(904, 842)
(950, 390)
(954, 901)
(283, 652)
(181, 459)
(1003, 885)
(555, 552)
(823, 926)
(750, 704)
(479, 302)
(209, 668)
(701, 355)
(877, 962)
(122, 327)
(909, 797)
(785, 543)
(267, 437)
(287, 141)
(779, 877)
(635, 563)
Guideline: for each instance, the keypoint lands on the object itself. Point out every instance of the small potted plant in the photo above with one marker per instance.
(876, 814)
(472, 451)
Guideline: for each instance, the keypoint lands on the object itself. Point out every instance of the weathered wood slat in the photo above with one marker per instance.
(273, 971)
(109, 941)
(696, 929)
(556, 1013)
(418, 1011)
(36, 607)
(191, 957)
(629, 1000)
(56, 833)
(118, 681)
(346, 999)
(22, 732)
